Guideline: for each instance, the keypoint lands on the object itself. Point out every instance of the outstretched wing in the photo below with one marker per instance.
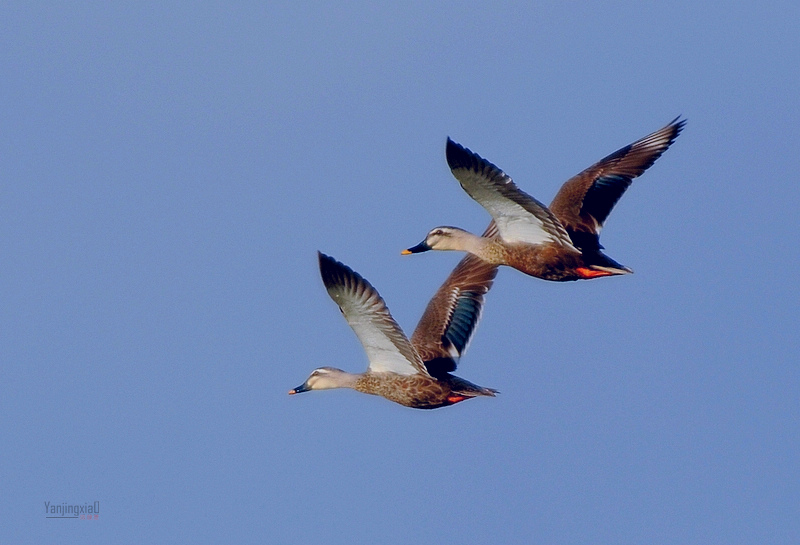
(386, 346)
(584, 201)
(519, 217)
(452, 315)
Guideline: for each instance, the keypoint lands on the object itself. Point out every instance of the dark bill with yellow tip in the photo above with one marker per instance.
(421, 247)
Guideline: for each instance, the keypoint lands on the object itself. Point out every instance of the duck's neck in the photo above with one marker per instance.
(488, 249)
(346, 380)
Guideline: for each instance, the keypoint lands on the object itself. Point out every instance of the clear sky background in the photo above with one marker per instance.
(169, 170)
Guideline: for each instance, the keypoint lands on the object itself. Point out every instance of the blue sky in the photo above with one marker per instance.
(168, 172)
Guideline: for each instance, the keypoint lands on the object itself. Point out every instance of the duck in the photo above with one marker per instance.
(558, 243)
(413, 372)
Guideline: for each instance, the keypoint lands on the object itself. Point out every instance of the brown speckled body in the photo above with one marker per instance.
(419, 391)
(549, 261)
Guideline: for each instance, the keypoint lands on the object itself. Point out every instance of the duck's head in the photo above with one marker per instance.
(324, 378)
(439, 238)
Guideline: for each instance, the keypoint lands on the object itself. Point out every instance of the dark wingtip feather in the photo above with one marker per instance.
(327, 268)
(678, 125)
(334, 273)
(458, 156)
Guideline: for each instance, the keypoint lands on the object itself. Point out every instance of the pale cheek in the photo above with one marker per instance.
(319, 383)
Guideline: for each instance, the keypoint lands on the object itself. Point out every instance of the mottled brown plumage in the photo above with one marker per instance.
(418, 391)
(557, 243)
(413, 373)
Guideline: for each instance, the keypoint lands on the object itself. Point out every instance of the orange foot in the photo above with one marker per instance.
(591, 273)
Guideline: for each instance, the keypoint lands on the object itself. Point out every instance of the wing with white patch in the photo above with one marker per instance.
(519, 217)
(386, 346)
